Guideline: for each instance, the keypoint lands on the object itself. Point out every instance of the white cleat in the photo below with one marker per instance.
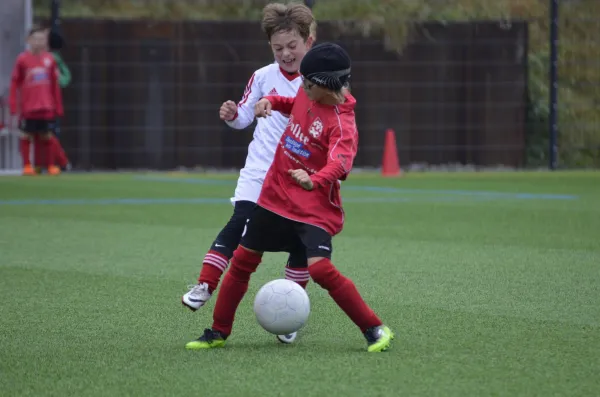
(196, 297)
(287, 339)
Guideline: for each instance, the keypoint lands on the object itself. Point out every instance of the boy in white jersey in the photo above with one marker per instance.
(291, 30)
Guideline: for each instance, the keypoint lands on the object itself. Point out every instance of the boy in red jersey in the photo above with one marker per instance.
(299, 209)
(35, 93)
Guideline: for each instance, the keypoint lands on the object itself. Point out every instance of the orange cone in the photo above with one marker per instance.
(391, 164)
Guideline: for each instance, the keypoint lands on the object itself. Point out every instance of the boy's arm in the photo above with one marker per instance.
(245, 108)
(15, 84)
(64, 75)
(281, 104)
(343, 145)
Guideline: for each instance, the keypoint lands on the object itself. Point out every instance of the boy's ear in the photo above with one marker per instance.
(309, 42)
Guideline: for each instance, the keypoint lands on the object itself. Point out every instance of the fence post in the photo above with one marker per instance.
(84, 112)
(553, 107)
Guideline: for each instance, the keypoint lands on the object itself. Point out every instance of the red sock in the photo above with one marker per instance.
(344, 293)
(38, 159)
(25, 147)
(213, 266)
(49, 150)
(59, 153)
(233, 288)
(300, 276)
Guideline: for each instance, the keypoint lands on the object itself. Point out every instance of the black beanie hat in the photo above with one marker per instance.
(327, 65)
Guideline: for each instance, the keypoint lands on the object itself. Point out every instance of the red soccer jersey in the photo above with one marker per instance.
(322, 140)
(35, 84)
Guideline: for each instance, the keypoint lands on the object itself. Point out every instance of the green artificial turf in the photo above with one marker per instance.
(491, 282)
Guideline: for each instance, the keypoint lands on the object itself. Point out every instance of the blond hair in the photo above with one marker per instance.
(313, 30)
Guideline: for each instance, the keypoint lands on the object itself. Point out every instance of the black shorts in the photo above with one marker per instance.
(36, 126)
(54, 126)
(266, 231)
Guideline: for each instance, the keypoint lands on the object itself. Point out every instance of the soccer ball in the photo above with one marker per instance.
(281, 307)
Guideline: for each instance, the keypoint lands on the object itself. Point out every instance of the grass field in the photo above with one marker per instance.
(490, 280)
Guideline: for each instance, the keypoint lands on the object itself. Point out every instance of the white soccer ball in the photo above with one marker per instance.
(281, 307)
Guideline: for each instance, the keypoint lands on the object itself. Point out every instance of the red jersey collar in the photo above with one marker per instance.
(290, 76)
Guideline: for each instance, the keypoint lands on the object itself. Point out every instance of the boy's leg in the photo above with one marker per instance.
(234, 288)
(25, 140)
(59, 152)
(39, 161)
(264, 231)
(296, 268)
(217, 258)
(341, 289)
(48, 149)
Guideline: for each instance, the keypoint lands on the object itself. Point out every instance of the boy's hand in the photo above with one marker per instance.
(228, 111)
(263, 108)
(302, 178)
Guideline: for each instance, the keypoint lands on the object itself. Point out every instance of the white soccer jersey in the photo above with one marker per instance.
(269, 80)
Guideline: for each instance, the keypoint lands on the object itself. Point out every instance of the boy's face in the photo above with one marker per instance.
(37, 41)
(289, 48)
(313, 91)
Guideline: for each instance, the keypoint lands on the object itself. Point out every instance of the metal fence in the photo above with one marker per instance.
(146, 94)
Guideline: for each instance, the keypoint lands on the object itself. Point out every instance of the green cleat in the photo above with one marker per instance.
(209, 340)
(378, 339)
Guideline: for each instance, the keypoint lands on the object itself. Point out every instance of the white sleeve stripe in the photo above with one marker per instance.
(339, 139)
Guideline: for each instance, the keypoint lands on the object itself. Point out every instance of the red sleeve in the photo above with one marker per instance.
(15, 85)
(282, 104)
(58, 104)
(343, 145)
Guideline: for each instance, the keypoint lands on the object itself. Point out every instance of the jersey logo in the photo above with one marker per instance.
(47, 62)
(296, 147)
(316, 128)
(38, 74)
(273, 92)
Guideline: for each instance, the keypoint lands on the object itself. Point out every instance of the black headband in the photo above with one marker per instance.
(333, 80)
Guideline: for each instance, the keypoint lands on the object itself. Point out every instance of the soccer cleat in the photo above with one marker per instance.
(378, 338)
(209, 340)
(53, 170)
(28, 170)
(196, 297)
(287, 339)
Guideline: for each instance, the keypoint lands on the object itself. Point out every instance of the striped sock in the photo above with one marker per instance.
(300, 276)
(213, 267)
